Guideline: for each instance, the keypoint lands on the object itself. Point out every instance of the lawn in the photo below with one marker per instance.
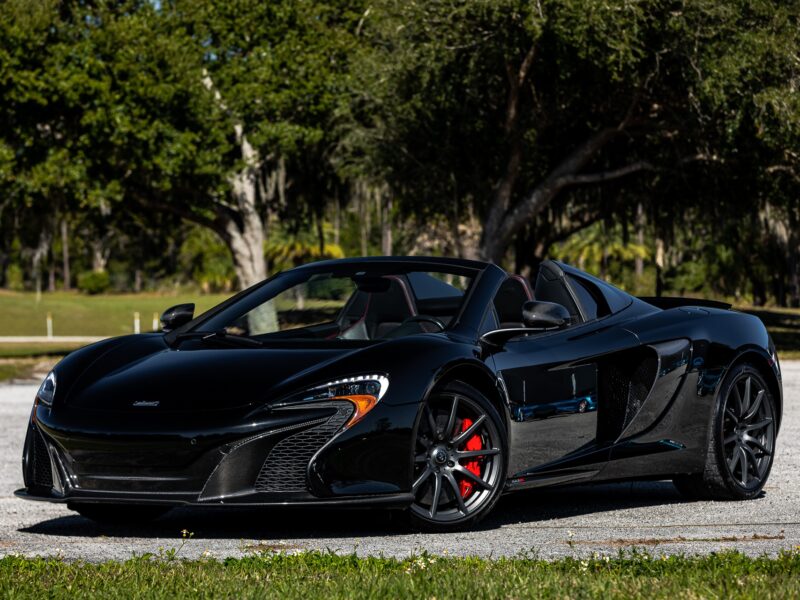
(323, 575)
(26, 368)
(79, 314)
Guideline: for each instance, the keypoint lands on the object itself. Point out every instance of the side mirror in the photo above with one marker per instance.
(175, 316)
(544, 315)
(537, 316)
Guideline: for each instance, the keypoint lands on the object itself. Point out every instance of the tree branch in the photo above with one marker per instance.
(784, 169)
(515, 82)
(505, 187)
(216, 224)
(588, 178)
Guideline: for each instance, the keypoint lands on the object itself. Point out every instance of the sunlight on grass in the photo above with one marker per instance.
(79, 314)
(324, 575)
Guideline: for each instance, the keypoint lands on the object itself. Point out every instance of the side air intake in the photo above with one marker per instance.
(286, 465)
(625, 382)
(38, 469)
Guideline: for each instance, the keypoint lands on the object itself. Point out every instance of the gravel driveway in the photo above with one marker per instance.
(570, 521)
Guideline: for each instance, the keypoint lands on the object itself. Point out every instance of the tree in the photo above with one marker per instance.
(194, 108)
(274, 71)
(508, 105)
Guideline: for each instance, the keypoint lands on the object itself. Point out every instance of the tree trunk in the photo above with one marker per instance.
(241, 225)
(51, 276)
(99, 255)
(386, 223)
(245, 238)
(505, 187)
(659, 260)
(604, 260)
(503, 224)
(759, 290)
(321, 231)
(65, 270)
(337, 220)
(363, 216)
(244, 231)
(779, 289)
(639, 225)
(468, 234)
(521, 243)
(36, 261)
(246, 243)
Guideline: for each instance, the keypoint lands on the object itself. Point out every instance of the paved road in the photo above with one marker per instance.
(576, 521)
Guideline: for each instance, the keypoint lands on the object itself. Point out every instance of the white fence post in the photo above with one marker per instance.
(156, 322)
(49, 325)
(136, 323)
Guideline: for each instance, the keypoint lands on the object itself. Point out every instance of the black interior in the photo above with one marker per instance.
(552, 286)
(371, 315)
(513, 293)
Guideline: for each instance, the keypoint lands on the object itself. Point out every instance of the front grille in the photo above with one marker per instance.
(42, 469)
(285, 467)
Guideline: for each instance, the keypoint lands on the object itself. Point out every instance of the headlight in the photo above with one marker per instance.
(47, 390)
(364, 391)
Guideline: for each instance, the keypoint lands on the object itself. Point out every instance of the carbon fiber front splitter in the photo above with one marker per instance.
(255, 499)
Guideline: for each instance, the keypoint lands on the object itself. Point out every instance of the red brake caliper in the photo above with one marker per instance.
(473, 443)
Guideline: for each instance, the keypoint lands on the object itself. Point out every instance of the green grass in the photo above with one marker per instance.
(28, 368)
(79, 314)
(9, 371)
(55, 349)
(324, 575)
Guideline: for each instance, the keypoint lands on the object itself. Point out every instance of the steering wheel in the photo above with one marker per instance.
(424, 319)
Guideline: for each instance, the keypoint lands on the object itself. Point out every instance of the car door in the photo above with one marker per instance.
(552, 385)
(551, 380)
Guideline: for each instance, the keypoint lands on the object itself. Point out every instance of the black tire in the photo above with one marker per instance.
(741, 446)
(464, 497)
(119, 514)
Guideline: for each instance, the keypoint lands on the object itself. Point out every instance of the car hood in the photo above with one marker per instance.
(145, 374)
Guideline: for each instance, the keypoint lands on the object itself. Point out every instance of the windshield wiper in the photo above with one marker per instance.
(220, 336)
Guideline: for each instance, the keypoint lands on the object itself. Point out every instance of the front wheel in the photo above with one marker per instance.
(460, 459)
(119, 514)
(742, 442)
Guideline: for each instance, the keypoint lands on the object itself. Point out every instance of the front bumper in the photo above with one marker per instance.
(301, 456)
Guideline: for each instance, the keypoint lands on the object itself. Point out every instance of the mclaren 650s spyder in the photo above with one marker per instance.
(428, 385)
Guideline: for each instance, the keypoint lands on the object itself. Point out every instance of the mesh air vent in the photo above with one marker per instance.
(42, 469)
(285, 467)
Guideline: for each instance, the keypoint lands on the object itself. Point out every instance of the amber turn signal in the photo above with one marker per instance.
(363, 404)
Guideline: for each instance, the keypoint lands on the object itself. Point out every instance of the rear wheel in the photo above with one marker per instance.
(119, 514)
(460, 459)
(742, 443)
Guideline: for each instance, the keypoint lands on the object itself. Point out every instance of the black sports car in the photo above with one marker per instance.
(429, 384)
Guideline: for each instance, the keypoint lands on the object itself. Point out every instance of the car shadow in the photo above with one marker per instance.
(271, 523)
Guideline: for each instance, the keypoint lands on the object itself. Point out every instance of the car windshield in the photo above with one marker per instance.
(356, 305)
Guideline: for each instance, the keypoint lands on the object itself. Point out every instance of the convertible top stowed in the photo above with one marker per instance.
(427, 383)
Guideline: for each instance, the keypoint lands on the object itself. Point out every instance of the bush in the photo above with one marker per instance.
(14, 278)
(94, 282)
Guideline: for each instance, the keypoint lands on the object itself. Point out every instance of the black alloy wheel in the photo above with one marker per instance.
(742, 442)
(748, 431)
(460, 459)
